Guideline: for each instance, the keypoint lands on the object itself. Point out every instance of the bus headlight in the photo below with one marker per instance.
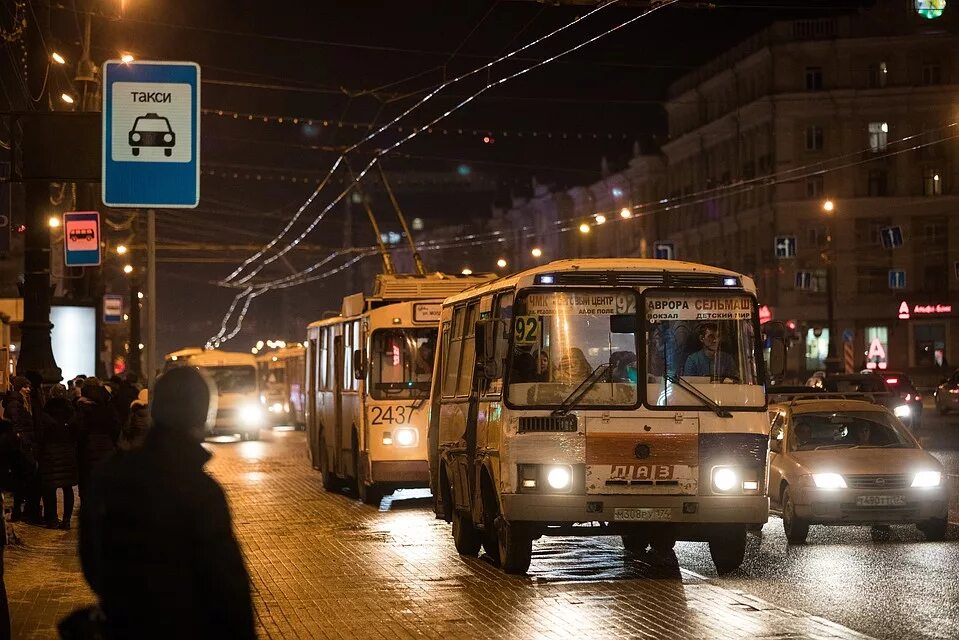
(725, 478)
(276, 407)
(902, 411)
(927, 479)
(559, 478)
(250, 415)
(405, 437)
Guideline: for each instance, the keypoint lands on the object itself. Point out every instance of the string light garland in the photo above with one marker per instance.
(265, 118)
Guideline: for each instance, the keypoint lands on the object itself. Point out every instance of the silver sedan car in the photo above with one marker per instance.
(851, 462)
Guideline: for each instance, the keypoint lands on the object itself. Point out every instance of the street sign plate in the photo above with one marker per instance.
(664, 250)
(112, 308)
(151, 134)
(81, 238)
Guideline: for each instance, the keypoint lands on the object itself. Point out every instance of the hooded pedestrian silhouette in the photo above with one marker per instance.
(156, 536)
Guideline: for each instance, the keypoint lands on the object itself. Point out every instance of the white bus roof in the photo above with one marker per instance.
(217, 358)
(281, 354)
(183, 353)
(595, 272)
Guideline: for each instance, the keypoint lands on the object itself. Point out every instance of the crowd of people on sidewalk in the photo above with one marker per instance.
(62, 435)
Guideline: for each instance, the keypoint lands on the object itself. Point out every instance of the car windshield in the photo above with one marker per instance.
(235, 379)
(847, 430)
(560, 338)
(706, 339)
(401, 363)
(151, 124)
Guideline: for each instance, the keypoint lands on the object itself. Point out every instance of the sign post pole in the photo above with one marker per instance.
(151, 297)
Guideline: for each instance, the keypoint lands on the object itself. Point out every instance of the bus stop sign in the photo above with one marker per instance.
(81, 238)
(151, 134)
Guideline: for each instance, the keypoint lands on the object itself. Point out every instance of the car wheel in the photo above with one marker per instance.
(881, 533)
(728, 549)
(515, 546)
(635, 543)
(466, 538)
(934, 529)
(795, 528)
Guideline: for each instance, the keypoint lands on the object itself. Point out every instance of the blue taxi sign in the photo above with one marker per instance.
(151, 134)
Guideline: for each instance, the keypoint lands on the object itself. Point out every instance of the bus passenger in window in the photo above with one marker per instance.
(572, 367)
(710, 361)
(623, 366)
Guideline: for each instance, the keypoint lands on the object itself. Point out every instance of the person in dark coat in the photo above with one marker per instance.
(13, 464)
(17, 409)
(125, 392)
(156, 536)
(135, 429)
(59, 468)
(96, 428)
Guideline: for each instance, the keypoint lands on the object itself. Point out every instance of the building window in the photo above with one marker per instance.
(813, 78)
(818, 282)
(872, 279)
(817, 348)
(929, 344)
(878, 74)
(934, 233)
(878, 136)
(935, 279)
(878, 183)
(814, 187)
(814, 138)
(931, 73)
(931, 182)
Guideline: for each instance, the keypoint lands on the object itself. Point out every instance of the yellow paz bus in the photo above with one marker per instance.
(623, 394)
(368, 378)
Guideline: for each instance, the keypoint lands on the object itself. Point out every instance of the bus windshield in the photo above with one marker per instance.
(235, 379)
(705, 340)
(401, 363)
(563, 338)
(276, 376)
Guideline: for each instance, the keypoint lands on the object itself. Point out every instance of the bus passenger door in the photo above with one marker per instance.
(337, 426)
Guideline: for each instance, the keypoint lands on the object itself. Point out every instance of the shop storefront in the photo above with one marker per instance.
(930, 334)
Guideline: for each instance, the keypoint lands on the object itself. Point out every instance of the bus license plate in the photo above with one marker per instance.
(880, 501)
(630, 514)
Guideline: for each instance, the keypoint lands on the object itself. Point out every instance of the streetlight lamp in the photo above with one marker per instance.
(501, 263)
(56, 57)
(121, 249)
(126, 58)
(128, 269)
(584, 228)
(829, 258)
(625, 213)
(600, 218)
(536, 252)
(467, 271)
(53, 222)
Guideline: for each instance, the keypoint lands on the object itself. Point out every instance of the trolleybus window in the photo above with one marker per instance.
(701, 340)
(239, 379)
(401, 363)
(565, 339)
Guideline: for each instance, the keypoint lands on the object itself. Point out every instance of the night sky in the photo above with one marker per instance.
(359, 62)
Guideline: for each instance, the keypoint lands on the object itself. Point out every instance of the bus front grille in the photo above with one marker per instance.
(548, 424)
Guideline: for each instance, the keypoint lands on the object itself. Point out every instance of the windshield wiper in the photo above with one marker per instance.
(834, 446)
(718, 409)
(573, 398)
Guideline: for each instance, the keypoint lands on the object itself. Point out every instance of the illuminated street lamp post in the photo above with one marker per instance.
(829, 258)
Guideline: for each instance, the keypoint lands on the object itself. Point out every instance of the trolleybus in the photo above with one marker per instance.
(282, 388)
(368, 383)
(602, 397)
(238, 399)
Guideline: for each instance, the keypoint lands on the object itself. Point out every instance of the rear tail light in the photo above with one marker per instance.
(918, 397)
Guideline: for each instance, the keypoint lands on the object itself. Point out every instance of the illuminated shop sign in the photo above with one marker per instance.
(906, 310)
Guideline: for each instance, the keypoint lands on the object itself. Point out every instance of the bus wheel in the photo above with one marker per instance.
(330, 481)
(515, 546)
(466, 538)
(635, 543)
(371, 494)
(728, 549)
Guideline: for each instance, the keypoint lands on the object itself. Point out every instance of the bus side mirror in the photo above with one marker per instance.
(488, 365)
(359, 365)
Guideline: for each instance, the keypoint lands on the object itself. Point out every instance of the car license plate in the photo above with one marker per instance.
(880, 501)
(631, 514)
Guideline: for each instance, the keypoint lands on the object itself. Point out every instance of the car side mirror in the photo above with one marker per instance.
(359, 365)
(775, 445)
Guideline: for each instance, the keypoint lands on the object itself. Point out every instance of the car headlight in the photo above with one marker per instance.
(251, 415)
(404, 437)
(927, 479)
(135, 137)
(902, 411)
(559, 478)
(828, 481)
(725, 478)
